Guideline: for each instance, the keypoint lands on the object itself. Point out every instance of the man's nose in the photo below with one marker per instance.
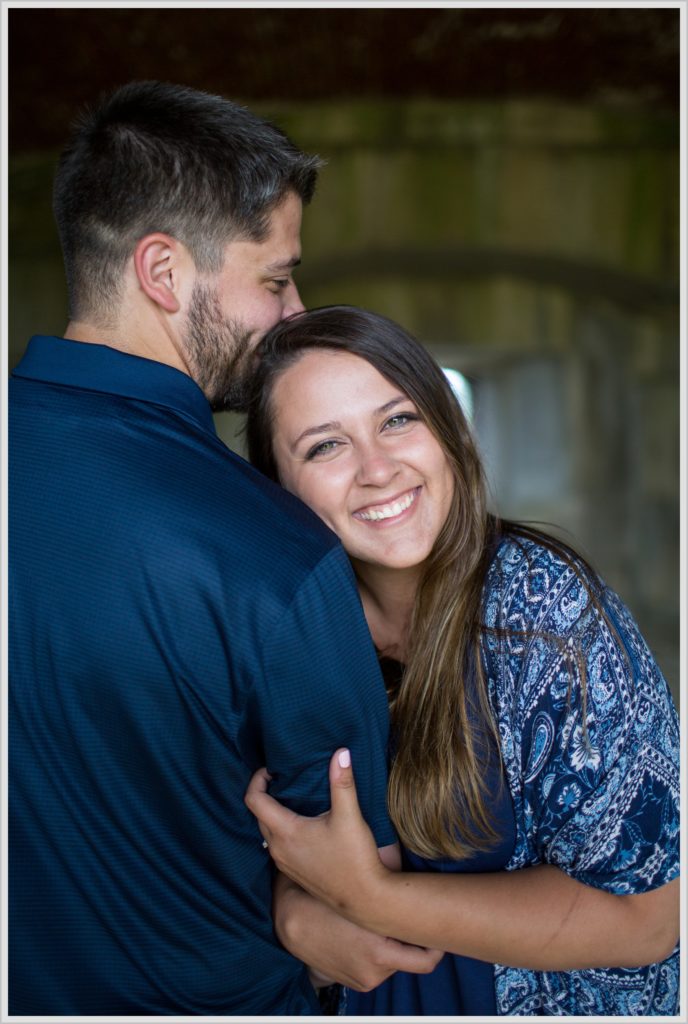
(293, 303)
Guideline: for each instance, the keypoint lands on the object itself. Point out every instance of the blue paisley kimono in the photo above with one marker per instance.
(594, 782)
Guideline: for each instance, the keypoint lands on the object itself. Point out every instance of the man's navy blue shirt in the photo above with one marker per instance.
(176, 621)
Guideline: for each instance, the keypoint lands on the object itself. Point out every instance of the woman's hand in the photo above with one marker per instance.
(335, 949)
(333, 856)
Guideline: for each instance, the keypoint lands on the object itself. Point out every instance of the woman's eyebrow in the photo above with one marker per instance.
(390, 405)
(322, 429)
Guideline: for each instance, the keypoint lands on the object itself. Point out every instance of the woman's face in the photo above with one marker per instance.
(353, 447)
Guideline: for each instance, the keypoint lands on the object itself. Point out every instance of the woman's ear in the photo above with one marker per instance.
(158, 262)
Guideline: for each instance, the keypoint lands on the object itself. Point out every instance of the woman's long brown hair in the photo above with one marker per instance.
(442, 723)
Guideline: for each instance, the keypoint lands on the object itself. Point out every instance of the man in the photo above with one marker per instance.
(176, 621)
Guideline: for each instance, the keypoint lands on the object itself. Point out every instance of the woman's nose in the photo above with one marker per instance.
(375, 467)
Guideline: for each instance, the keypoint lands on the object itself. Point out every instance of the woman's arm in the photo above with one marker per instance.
(337, 950)
(537, 918)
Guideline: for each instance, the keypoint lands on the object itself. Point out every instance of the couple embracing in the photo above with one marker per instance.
(196, 642)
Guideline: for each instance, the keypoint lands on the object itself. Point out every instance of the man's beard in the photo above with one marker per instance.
(219, 350)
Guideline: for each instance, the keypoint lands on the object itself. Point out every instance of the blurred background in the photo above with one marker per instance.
(503, 182)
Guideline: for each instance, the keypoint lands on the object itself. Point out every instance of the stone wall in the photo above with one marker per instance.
(532, 246)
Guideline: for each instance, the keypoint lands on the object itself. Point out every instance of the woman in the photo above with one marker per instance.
(534, 780)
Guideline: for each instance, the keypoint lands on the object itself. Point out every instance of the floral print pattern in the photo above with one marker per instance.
(590, 742)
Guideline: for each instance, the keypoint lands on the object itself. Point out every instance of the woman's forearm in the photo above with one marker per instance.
(537, 918)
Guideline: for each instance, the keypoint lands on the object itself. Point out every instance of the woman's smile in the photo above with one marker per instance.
(391, 511)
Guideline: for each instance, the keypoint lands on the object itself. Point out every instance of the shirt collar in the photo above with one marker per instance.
(92, 367)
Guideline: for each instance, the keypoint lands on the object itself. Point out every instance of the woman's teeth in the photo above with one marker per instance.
(388, 511)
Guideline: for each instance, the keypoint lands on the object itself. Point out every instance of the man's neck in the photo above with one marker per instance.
(128, 340)
(81, 330)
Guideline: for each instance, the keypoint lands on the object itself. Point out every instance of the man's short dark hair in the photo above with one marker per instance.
(159, 157)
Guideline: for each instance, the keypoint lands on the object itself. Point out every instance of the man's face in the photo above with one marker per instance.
(229, 312)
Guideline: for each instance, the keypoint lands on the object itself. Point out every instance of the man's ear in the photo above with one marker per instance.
(159, 260)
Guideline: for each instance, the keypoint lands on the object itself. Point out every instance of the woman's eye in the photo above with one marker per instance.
(279, 283)
(324, 448)
(400, 419)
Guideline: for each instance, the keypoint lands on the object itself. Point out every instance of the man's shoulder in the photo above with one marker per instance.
(232, 514)
(179, 487)
(262, 511)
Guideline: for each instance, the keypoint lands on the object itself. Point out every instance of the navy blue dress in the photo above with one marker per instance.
(459, 985)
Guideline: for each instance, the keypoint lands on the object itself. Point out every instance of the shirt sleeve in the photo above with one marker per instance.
(320, 689)
(599, 745)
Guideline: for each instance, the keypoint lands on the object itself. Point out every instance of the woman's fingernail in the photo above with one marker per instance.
(344, 759)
